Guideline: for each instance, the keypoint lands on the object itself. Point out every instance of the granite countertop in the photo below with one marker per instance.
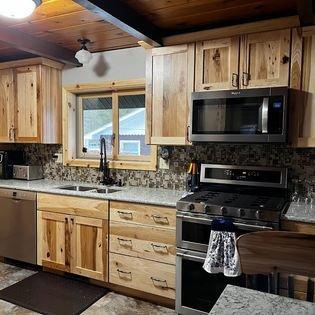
(236, 300)
(300, 213)
(154, 196)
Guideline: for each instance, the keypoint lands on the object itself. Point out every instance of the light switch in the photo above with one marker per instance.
(164, 164)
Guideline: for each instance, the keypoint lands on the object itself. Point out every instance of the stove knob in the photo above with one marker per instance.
(224, 211)
(242, 212)
(207, 208)
(191, 207)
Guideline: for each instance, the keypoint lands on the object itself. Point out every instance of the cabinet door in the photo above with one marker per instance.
(6, 105)
(265, 59)
(27, 101)
(217, 63)
(88, 247)
(170, 73)
(53, 240)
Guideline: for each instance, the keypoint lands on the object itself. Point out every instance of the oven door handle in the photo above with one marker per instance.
(250, 227)
(191, 257)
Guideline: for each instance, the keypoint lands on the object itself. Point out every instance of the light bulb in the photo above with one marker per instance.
(83, 56)
(18, 9)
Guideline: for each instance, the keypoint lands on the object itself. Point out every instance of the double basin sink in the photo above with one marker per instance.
(89, 189)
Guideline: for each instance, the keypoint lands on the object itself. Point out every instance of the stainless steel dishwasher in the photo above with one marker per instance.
(18, 225)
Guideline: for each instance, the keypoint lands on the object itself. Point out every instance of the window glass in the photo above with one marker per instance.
(97, 122)
(132, 125)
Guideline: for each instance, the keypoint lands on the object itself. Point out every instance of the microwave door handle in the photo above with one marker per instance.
(264, 115)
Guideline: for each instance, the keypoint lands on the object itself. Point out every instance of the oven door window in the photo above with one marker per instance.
(234, 116)
(200, 290)
(195, 233)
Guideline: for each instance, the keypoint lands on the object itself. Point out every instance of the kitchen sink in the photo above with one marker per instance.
(77, 188)
(106, 190)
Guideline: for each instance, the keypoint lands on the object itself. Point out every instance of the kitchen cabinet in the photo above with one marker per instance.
(72, 235)
(169, 83)
(31, 101)
(142, 248)
(265, 59)
(6, 105)
(217, 63)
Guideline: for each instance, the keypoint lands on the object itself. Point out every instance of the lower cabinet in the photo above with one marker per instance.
(73, 244)
(142, 274)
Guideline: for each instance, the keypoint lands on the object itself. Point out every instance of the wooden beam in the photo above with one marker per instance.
(305, 10)
(125, 18)
(36, 46)
(246, 28)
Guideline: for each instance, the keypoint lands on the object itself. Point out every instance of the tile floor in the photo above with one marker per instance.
(110, 304)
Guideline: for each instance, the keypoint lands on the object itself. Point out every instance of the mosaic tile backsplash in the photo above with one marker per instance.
(301, 163)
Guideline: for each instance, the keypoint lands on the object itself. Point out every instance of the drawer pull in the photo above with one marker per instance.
(123, 241)
(159, 219)
(124, 274)
(125, 215)
(159, 283)
(158, 248)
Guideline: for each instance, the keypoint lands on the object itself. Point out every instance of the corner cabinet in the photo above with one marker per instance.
(169, 84)
(30, 101)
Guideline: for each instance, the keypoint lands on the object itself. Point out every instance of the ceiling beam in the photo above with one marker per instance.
(306, 12)
(36, 46)
(125, 18)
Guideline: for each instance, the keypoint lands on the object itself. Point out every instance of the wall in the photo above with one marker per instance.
(122, 64)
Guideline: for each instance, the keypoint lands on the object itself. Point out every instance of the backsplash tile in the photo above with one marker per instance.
(301, 163)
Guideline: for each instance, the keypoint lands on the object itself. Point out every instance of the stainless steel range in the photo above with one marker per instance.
(252, 197)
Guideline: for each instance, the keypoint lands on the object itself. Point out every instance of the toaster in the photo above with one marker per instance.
(27, 172)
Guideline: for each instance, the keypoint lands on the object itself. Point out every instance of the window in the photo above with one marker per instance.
(119, 117)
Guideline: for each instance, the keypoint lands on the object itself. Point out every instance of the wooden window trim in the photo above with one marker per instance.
(69, 125)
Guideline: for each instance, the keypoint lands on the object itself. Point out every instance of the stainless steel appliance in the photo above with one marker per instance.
(27, 172)
(252, 197)
(18, 225)
(250, 115)
(7, 160)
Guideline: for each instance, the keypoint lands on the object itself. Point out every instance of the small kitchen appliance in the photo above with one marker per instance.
(27, 172)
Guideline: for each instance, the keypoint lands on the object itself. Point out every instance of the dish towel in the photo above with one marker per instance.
(222, 255)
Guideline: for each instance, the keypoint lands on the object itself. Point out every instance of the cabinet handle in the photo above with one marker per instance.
(72, 220)
(245, 78)
(66, 219)
(159, 219)
(124, 274)
(125, 214)
(159, 283)
(154, 246)
(10, 134)
(235, 80)
(123, 240)
(187, 133)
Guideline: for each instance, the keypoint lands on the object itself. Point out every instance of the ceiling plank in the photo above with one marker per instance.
(124, 17)
(36, 46)
(306, 12)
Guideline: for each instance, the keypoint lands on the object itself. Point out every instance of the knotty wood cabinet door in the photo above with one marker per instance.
(53, 238)
(6, 105)
(217, 64)
(27, 104)
(88, 247)
(265, 59)
(169, 83)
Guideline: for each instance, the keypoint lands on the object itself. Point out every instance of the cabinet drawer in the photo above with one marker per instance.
(141, 274)
(143, 214)
(143, 242)
(85, 207)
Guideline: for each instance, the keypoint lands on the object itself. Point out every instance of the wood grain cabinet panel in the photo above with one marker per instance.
(143, 214)
(169, 83)
(6, 105)
(217, 64)
(265, 59)
(143, 275)
(143, 242)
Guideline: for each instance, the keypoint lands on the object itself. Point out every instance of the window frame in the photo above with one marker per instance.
(71, 112)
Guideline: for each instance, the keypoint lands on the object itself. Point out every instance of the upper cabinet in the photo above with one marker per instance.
(217, 64)
(265, 59)
(30, 101)
(169, 84)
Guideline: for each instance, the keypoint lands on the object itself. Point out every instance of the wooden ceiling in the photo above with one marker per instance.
(63, 22)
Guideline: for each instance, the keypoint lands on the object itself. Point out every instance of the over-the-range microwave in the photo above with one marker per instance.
(252, 115)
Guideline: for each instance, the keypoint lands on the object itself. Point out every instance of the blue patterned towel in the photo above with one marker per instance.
(222, 255)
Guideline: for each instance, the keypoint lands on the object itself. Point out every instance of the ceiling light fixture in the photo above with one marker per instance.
(83, 55)
(18, 9)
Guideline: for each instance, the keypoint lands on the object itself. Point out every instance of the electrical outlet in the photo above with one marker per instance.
(59, 158)
(164, 164)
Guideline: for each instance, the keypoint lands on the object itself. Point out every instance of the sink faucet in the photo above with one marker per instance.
(104, 168)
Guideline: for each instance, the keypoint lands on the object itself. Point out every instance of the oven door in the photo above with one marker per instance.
(196, 290)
